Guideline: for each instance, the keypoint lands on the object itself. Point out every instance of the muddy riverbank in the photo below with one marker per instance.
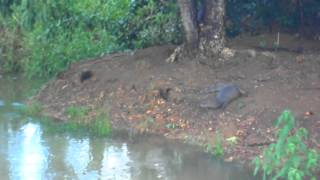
(144, 94)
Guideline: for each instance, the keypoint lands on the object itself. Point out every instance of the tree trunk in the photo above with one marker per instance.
(212, 35)
(188, 17)
(208, 39)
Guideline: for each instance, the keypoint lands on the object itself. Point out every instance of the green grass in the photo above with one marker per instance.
(76, 124)
(216, 149)
(289, 157)
(50, 125)
(32, 109)
(77, 113)
(101, 125)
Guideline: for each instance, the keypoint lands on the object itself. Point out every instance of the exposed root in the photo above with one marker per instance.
(177, 53)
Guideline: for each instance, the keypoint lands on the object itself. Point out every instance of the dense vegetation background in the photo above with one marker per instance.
(42, 37)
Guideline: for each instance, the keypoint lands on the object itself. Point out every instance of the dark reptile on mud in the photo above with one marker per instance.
(225, 94)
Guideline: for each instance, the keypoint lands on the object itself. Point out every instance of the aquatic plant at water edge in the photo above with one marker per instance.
(31, 109)
(216, 149)
(98, 125)
(101, 124)
(289, 157)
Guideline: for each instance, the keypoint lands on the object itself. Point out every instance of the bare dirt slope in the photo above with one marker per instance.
(143, 93)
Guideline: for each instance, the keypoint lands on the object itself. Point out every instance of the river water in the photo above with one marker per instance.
(27, 151)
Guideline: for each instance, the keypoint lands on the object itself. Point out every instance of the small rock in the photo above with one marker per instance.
(252, 53)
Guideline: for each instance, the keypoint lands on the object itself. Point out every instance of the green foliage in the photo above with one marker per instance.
(32, 109)
(171, 126)
(57, 33)
(260, 15)
(232, 140)
(217, 150)
(42, 38)
(10, 46)
(5, 7)
(78, 123)
(288, 158)
(46, 36)
(101, 125)
(76, 113)
(150, 23)
(49, 56)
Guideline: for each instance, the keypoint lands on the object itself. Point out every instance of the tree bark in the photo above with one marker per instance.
(188, 17)
(212, 34)
(208, 39)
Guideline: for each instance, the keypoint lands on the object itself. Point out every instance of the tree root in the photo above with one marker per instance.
(176, 55)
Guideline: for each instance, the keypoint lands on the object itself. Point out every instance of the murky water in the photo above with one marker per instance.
(27, 151)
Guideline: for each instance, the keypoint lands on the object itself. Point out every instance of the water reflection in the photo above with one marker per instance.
(26, 154)
(1, 103)
(32, 154)
(57, 151)
(17, 104)
(115, 164)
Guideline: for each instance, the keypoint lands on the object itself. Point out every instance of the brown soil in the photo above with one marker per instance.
(132, 88)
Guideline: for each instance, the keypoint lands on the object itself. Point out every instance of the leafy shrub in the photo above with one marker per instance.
(152, 22)
(53, 34)
(43, 37)
(57, 33)
(288, 158)
(49, 56)
(260, 15)
(10, 46)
